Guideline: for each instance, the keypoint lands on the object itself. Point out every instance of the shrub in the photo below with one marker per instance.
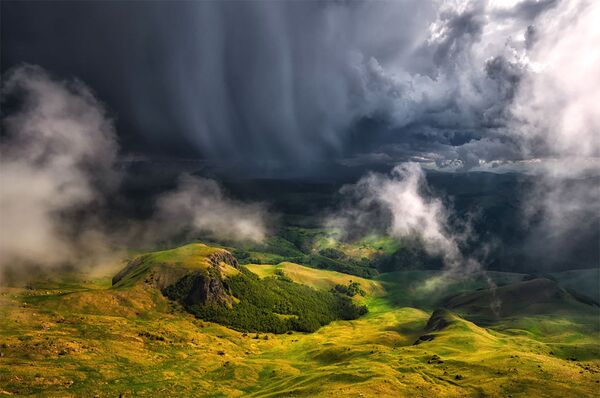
(351, 290)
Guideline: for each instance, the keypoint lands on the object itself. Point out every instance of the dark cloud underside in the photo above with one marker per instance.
(291, 85)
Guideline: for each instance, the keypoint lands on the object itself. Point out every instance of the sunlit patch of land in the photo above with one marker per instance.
(317, 278)
(75, 335)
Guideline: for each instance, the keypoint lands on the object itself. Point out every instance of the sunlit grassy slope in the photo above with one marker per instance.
(317, 278)
(168, 263)
(78, 336)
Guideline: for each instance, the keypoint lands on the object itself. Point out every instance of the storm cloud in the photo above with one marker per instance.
(265, 86)
(58, 169)
(58, 159)
(262, 88)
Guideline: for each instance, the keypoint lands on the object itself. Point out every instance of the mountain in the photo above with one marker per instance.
(535, 296)
(70, 334)
(209, 283)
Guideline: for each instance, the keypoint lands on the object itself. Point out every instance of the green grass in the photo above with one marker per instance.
(209, 283)
(584, 281)
(384, 243)
(172, 264)
(317, 278)
(189, 256)
(275, 304)
(82, 338)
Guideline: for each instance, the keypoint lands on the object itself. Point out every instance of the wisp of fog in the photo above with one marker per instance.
(58, 168)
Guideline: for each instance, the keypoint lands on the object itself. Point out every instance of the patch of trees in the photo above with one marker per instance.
(241, 255)
(350, 290)
(346, 265)
(277, 305)
(282, 275)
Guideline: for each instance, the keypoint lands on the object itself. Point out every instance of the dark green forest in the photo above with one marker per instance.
(274, 304)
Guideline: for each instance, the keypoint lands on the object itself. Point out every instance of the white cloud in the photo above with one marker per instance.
(57, 157)
(199, 205)
(57, 169)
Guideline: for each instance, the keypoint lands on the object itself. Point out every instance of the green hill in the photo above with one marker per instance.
(535, 296)
(316, 278)
(209, 283)
(74, 335)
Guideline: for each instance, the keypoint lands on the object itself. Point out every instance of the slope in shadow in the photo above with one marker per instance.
(531, 297)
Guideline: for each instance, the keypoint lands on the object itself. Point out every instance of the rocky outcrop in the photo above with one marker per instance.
(199, 282)
(199, 288)
(223, 257)
(440, 319)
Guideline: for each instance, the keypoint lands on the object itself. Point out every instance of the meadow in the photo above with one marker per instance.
(75, 334)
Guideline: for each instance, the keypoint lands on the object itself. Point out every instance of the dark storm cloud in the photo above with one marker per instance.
(315, 87)
(263, 83)
(274, 85)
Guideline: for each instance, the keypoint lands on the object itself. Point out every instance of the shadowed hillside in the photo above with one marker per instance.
(536, 296)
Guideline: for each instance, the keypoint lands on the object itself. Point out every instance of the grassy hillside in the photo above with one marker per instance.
(209, 283)
(81, 337)
(165, 267)
(584, 281)
(325, 249)
(316, 278)
(536, 296)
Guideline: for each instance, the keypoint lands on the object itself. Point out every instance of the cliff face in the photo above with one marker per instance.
(225, 257)
(199, 288)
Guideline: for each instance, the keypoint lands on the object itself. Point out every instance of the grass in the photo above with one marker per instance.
(82, 338)
(317, 278)
(172, 264)
(583, 280)
(192, 256)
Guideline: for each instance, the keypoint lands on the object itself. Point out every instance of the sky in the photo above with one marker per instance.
(381, 91)
(269, 87)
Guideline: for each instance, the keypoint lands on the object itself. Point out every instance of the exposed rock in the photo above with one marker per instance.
(223, 257)
(435, 359)
(424, 338)
(199, 288)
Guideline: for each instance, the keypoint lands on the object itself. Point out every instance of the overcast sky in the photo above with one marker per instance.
(465, 85)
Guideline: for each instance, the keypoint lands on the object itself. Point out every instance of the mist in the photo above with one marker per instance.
(58, 170)
(200, 205)
(303, 88)
(556, 112)
(58, 156)
(402, 205)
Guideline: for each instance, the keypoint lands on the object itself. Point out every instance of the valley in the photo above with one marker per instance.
(300, 199)
(78, 334)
